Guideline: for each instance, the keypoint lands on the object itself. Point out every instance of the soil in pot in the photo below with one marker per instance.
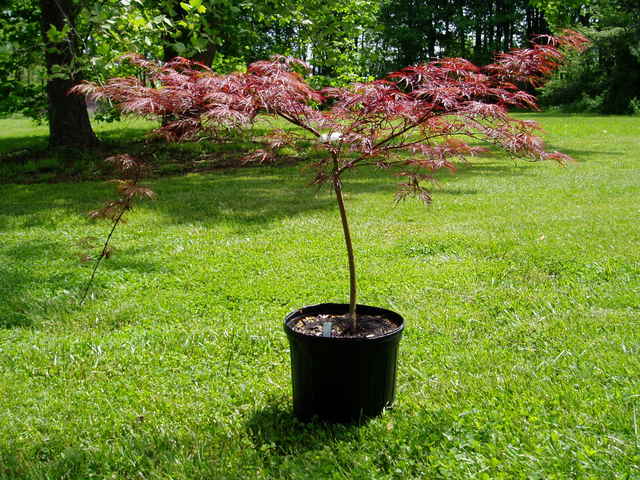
(331, 325)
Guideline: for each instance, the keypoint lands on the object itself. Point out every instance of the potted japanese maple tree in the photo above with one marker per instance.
(413, 122)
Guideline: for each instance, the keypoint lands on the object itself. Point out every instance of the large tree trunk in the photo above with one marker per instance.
(69, 123)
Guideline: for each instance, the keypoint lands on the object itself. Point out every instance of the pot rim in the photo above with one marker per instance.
(332, 307)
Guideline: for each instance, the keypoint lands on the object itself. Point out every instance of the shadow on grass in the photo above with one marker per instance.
(132, 447)
(251, 198)
(14, 313)
(581, 155)
(489, 167)
(245, 201)
(245, 197)
(27, 144)
(28, 158)
(18, 276)
(31, 289)
(35, 143)
(274, 430)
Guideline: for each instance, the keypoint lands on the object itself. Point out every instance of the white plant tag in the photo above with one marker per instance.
(326, 329)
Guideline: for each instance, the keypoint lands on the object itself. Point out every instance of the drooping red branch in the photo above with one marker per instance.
(190, 98)
(130, 171)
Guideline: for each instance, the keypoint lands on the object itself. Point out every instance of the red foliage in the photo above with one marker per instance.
(533, 65)
(130, 171)
(413, 119)
(190, 97)
(277, 87)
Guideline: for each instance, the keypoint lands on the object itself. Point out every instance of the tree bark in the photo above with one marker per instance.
(69, 124)
(337, 187)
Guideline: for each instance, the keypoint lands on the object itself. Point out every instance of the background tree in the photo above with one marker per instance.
(22, 73)
(416, 31)
(67, 114)
(47, 46)
(606, 78)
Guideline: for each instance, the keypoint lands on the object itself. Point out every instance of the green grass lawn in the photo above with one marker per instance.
(26, 158)
(520, 287)
(20, 133)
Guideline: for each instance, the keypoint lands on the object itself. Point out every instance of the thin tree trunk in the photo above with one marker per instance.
(352, 264)
(69, 123)
(103, 253)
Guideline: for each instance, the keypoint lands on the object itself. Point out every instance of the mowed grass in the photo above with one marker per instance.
(26, 158)
(21, 133)
(520, 286)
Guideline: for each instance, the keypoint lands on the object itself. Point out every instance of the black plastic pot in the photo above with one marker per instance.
(342, 379)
